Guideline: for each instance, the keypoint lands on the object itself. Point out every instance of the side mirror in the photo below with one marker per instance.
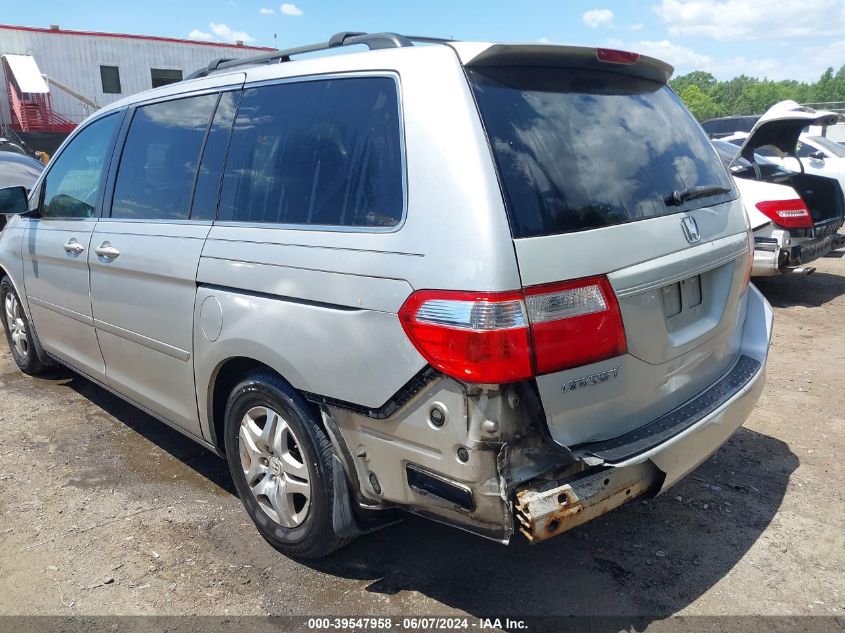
(13, 200)
(817, 155)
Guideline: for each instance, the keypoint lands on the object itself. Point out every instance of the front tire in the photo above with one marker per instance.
(20, 334)
(281, 462)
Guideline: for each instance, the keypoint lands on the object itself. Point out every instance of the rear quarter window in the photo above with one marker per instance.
(319, 153)
(579, 150)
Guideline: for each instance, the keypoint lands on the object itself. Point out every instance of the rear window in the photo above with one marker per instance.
(579, 150)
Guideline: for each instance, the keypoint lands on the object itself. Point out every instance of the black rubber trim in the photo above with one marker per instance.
(266, 295)
(396, 401)
(655, 433)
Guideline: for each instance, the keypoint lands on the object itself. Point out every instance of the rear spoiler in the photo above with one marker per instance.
(479, 54)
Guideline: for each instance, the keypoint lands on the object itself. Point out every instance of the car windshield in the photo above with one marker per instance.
(578, 150)
(829, 146)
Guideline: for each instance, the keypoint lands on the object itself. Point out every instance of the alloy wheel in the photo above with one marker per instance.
(17, 325)
(273, 464)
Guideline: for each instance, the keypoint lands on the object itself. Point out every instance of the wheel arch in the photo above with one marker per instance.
(12, 263)
(4, 272)
(228, 373)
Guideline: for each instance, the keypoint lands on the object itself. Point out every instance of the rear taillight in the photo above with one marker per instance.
(791, 214)
(749, 262)
(574, 323)
(612, 56)
(472, 336)
(502, 337)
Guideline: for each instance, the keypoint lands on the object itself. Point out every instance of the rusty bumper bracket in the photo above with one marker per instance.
(554, 507)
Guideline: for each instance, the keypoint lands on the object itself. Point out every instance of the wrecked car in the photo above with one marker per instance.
(504, 287)
(795, 213)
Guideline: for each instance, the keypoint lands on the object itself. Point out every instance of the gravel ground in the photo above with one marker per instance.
(106, 511)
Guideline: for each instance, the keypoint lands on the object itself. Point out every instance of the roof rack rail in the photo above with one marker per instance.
(345, 38)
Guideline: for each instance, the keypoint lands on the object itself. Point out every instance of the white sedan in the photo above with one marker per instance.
(817, 154)
(790, 231)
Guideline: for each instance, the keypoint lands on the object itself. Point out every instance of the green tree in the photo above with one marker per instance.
(705, 81)
(830, 87)
(706, 97)
(698, 102)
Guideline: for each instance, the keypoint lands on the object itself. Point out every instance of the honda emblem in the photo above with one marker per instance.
(690, 227)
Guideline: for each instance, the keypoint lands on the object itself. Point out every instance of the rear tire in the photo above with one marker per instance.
(20, 334)
(281, 462)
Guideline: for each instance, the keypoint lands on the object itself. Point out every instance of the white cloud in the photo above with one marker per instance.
(598, 17)
(637, 27)
(290, 9)
(677, 55)
(804, 64)
(227, 34)
(752, 19)
(196, 34)
(544, 40)
(265, 11)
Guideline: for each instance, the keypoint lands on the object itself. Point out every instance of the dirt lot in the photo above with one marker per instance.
(106, 511)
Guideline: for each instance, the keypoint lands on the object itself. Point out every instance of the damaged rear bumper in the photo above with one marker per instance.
(777, 254)
(656, 456)
(557, 507)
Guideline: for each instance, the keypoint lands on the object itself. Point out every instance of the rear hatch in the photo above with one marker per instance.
(606, 176)
(780, 127)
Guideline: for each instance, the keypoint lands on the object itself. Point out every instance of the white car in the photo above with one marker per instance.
(820, 156)
(781, 136)
(773, 211)
(795, 214)
(817, 155)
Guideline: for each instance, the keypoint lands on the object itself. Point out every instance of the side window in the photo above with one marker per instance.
(110, 77)
(207, 189)
(159, 160)
(74, 180)
(323, 152)
(803, 150)
(162, 77)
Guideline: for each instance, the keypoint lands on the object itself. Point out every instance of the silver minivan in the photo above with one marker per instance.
(505, 287)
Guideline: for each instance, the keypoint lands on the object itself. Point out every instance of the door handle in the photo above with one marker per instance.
(107, 251)
(73, 247)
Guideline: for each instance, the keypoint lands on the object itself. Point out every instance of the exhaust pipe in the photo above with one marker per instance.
(803, 270)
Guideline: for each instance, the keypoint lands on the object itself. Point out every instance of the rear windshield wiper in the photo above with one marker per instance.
(679, 196)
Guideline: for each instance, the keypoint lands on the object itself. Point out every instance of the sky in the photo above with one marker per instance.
(778, 39)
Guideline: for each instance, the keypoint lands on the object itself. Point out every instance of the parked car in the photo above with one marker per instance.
(800, 233)
(9, 146)
(727, 125)
(17, 170)
(818, 155)
(772, 210)
(442, 278)
(812, 154)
